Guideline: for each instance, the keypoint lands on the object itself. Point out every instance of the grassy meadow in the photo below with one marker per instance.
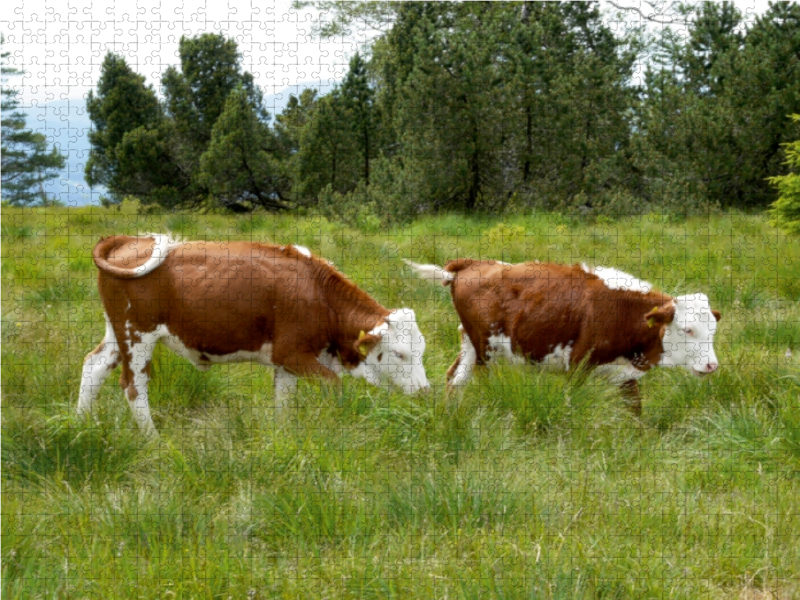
(529, 484)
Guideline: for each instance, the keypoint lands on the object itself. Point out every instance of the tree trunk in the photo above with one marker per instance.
(366, 153)
(526, 167)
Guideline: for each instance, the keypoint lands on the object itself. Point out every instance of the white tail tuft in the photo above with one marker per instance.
(162, 247)
(431, 272)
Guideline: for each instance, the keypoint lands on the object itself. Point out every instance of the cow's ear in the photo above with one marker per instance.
(365, 343)
(717, 315)
(660, 315)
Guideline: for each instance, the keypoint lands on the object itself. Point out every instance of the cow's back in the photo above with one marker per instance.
(479, 284)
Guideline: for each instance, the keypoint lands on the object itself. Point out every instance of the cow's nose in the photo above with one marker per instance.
(711, 367)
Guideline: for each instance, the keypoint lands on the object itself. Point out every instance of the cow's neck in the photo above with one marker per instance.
(629, 333)
(352, 310)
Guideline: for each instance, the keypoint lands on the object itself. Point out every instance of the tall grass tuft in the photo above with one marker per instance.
(38, 449)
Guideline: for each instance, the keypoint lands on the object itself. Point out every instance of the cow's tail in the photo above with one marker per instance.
(431, 272)
(163, 245)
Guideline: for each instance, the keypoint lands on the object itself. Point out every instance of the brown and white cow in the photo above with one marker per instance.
(557, 315)
(215, 303)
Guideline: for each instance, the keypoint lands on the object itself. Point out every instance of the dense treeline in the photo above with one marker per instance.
(469, 106)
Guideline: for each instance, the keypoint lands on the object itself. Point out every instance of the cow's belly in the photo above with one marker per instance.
(204, 360)
(501, 346)
(558, 358)
(551, 356)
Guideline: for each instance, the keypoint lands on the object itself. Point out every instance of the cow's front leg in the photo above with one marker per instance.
(289, 368)
(630, 391)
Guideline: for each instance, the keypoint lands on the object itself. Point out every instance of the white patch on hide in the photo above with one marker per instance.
(619, 280)
(500, 347)
(263, 356)
(558, 358)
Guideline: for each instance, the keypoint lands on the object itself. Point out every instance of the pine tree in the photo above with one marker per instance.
(124, 109)
(195, 97)
(714, 34)
(26, 163)
(239, 167)
(785, 211)
(154, 151)
(328, 153)
(290, 123)
(197, 92)
(359, 98)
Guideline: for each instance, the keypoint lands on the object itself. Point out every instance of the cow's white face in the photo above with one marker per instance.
(689, 338)
(397, 356)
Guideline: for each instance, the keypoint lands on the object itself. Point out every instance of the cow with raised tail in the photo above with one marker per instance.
(212, 303)
(556, 315)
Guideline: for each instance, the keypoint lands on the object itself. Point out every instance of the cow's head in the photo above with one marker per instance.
(392, 352)
(689, 328)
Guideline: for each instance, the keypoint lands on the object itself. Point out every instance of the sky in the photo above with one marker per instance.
(60, 45)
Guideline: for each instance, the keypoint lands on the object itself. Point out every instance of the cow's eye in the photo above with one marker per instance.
(688, 331)
(397, 354)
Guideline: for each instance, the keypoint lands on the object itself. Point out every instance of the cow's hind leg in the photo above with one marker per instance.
(135, 379)
(97, 366)
(461, 370)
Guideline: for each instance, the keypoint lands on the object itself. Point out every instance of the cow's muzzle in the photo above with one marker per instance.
(706, 370)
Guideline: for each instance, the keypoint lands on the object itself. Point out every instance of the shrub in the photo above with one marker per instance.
(785, 211)
(355, 209)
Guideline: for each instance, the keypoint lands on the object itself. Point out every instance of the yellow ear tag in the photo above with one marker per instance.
(650, 321)
(361, 349)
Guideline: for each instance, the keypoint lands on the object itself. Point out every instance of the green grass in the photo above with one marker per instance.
(528, 484)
